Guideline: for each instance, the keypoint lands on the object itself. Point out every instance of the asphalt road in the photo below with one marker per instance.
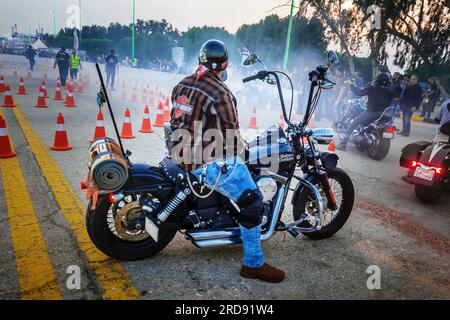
(389, 227)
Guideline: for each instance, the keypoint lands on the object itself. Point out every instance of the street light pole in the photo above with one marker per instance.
(132, 32)
(288, 40)
(52, 12)
(79, 38)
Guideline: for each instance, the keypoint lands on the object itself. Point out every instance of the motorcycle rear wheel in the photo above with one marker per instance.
(112, 244)
(428, 195)
(381, 148)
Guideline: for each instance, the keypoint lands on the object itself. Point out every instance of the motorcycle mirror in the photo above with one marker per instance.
(271, 80)
(327, 85)
(333, 57)
(251, 59)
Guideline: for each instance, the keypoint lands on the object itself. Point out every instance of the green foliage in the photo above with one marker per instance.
(362, 65)
(268, 37)
(196, 36)
(96, 46)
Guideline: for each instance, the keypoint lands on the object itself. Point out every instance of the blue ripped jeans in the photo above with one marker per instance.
(232, 184)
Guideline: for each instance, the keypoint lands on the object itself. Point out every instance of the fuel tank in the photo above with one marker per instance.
(270, 146)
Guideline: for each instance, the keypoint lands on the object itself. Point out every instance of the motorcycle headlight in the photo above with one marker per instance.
(329, 161)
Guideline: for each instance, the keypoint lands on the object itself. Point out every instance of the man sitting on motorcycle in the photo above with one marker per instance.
(202, 102)
(443, 118)
(379, 95)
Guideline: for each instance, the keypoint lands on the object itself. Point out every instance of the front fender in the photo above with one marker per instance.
(300, 187)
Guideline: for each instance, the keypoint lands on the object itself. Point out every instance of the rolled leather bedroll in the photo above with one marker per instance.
(107, 166)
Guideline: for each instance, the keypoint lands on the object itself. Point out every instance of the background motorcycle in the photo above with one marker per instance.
(375, 139)
(139, 218)
(429, 165)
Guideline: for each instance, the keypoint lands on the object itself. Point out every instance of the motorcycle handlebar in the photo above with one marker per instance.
(260, 75)
(251, 78)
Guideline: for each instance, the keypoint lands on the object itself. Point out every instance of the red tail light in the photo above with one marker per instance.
(114, 197)
(413, 164)
(390, 129)
(438, 170)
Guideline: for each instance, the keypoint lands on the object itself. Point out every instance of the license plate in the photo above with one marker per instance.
(388, 135)
(424, 174)
(151, 229)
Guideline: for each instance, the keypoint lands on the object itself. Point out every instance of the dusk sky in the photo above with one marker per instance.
(181, 13)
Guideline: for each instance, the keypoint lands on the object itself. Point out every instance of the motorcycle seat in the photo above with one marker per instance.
(172, 171)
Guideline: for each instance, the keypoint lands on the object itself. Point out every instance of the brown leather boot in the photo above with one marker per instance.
(264, 273)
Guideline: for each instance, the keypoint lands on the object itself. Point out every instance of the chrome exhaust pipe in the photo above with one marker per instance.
(218, 238)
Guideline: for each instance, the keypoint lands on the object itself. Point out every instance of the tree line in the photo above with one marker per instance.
(415, 33)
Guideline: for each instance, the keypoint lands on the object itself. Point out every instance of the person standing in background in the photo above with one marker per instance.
(63, 61)
(75, 64)
(30, 53)
(112, 66)
(397, 89)
(432, 93)
(410, 102)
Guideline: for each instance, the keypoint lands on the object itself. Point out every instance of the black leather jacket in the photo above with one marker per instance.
(379, 97)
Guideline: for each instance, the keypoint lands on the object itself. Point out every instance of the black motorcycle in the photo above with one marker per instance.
(147, 205)
(375, 139)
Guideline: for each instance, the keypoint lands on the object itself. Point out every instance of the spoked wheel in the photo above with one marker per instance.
(331, 220)
(118, 229)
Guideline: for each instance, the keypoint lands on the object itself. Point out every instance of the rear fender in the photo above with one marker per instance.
(146, 178)
(438, 156)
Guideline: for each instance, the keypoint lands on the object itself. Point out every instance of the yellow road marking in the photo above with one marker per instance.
(36, 276)
(115, 282)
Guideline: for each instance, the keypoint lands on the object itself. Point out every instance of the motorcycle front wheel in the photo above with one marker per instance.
(332, 220)
(118, 230)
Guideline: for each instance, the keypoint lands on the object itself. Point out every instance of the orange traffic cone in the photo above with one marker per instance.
(124, 93)
(2, 84)
(159, 121)
(44, 88)
(133, 95)
(60, 143)
(146, 126)
(6, 150)
(151, 102)
(100, 131)
(127, 130)
(8, 101)
(41, 103)
(144, 97)
(332, 146)
(252, 122)
(70, 101)
(80, 88)
(58, 95)
(281, 122)
(22, 89)
(166, 115)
